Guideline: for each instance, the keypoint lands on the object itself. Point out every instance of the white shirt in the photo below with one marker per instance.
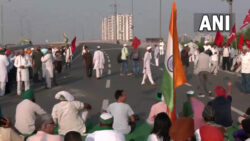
(105, 135)
(215, 56)
(146, 62)
(226, 52)
(48, 64)
(66, 114)
(153, 137)
(26, 112)
(121, 113)
(3, 68)
(207, 47)
(245, 63)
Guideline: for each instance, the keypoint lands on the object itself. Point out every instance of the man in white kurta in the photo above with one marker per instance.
(161, 47)
(22, 64)
(3, 71)
(214, 60)
(70, 115)
(147, 68)
(207, 46)
(47, 59)
(156, 55)
(98, 61)
(26, 112)
(68, 56)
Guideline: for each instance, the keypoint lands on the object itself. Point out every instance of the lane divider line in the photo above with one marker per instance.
(108, 83)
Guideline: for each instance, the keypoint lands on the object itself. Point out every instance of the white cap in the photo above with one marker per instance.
(245, 48)
(106, 116)
(125, 45)
(149, 47)
(206, 41)
(32, 48)
(190, 92)
(185, 45)
(98, 47)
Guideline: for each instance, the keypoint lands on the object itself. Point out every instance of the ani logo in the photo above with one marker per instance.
(170, 64)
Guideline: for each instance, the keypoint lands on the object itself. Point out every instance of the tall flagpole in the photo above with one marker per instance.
(115, 16)
(160, 20)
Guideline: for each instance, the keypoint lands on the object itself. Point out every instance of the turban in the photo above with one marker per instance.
(106, 118)
(182, 129)
(210, 133)
(190, 93)
(7, 52)
(29, 51)
(220, 91)
(149, 47)
(44, 50)
(64, 95)
(98, 47)
(158, 96)
(29, 94)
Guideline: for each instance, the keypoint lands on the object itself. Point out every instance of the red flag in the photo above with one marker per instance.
(248, 43)
(246, 20)
(219, 39)
(241, 41)
(73, 44)
(136, 43)
(232, 36)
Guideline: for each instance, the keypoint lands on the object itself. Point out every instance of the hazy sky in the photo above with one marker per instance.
(42, 20)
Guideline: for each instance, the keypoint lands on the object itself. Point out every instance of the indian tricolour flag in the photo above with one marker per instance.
(65, 38)
(173, 73)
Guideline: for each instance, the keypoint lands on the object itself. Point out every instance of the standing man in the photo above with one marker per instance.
(225, 59)
(3, 71)
(47, 59)
(124, 58)
(22, 64)
(214, 60)
(203, 72)
(58, 60)
(87, 61)
(157, 55)
(207, 46)
(98, 62)
(146, 67)
(161, 46)
(135, 56)
(245, 70)
(37, 64)
(232, 55)
(185, 58)
(68, 56)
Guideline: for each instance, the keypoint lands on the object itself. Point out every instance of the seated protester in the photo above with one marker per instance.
(246, 115)
(26, 112)
(209, 117)
(182, 129)
(161, 128)
(124, 120)
(73, 136)
(209, 133)
(157, 108)
(246, 126)
(67, 113)
(105, 131)
(45, 128)
(222, 106)
(193, 108)
(9, 132)
(241, 135)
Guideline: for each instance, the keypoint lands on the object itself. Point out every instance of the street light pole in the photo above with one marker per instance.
(115, 16)
(133, 18)
(160, 21)
(1, 14)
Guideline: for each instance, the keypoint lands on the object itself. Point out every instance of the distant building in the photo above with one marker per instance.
(153, 40)
(204, 37)
(124, 28)
(185, 38)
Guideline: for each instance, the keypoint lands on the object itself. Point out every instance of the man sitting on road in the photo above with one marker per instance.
(45, 129)
(124, 120)
(157, 108)
(66, 113)
(222, 106)
(26, 112)
(105, 131)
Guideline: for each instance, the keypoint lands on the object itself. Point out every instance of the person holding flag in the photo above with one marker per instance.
(135, 56)
(68, 56)
(173, 72)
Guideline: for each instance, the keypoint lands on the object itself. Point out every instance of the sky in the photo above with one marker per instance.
(41, 20)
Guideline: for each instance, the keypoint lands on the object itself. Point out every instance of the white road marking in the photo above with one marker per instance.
(109, 72)
(188, 84)
(109, 60)
(108, 83)
(109, 65)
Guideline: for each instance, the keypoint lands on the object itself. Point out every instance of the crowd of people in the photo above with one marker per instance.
(67, 121)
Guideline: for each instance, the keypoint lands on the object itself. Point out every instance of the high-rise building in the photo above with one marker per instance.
(124, 28)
